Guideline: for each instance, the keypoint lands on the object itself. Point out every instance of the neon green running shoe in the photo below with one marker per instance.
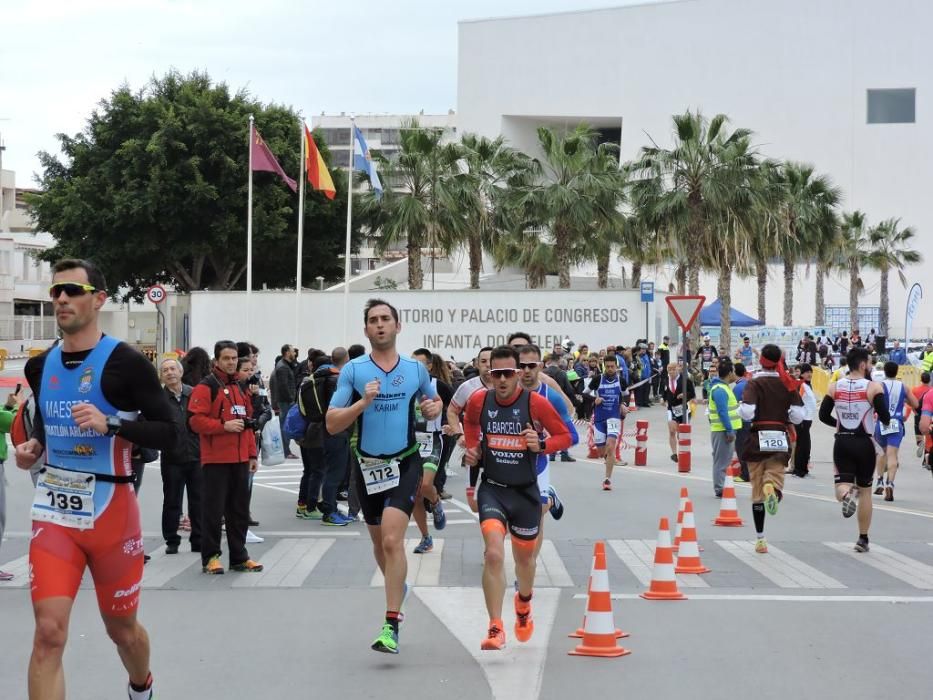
(771, 499)
(387, 641)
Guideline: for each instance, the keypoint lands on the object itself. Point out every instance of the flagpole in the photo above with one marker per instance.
(301, 230)
(346, 258)
(249, 230)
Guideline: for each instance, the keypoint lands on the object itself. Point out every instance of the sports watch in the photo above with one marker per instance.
(114, 423)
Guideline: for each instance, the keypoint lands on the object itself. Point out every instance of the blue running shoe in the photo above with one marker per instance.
(557, 507)
(424, 546)
(336, 519)
(440, 517)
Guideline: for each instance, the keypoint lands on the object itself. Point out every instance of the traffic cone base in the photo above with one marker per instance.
(599, 630)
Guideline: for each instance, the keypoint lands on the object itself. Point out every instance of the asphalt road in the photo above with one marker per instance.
(811, 619)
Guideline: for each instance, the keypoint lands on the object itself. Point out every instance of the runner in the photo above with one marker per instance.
(770, 401)
(705, 353)
(378, 392)
(504, 429)
(530, 366)
(608, 415)
(854, 398)
(673, 394)
(746, 354)
(89, 389)
(919, 392)
(889, 435)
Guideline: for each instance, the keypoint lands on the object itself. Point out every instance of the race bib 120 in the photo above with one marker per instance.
(773, 441)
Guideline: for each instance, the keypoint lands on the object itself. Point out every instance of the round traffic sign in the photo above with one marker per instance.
(156, 294)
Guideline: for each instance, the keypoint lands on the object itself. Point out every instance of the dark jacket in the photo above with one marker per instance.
(207, 415)
(316, 392)
(188, 447)
(283, 383)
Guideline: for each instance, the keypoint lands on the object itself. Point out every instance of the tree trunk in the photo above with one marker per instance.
(788, 291)
(693, 285)
(885, 304)
(853, 295)
(724, 291)
(602, 270)
(476, 258)
(536, 279)
(820, 311)
(415, 273)
(680, 275)
(636, 275)
(562, 248)
(761, 272)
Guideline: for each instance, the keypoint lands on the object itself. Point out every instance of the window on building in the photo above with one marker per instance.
(389, 137)
(340, 159)
(336, 137)
(892, 106)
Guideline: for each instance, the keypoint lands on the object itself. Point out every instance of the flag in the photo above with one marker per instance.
(362, 160)
(263, 159)
(913, 303)
(318, 175)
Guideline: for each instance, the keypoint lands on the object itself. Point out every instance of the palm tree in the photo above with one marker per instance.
(419, 180)
(826, 251)
(856, 248)
(701, 192)
(890, 251)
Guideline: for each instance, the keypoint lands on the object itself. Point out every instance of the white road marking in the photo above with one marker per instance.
(779, 567)
(788, 598)
(19, 567)
(329, 532)
(516, 671)
(286, 565)
(163, 567)
(550, 570)
(465, 507)
(423, 569)
(638, 556)
(450, 521)
(917, 574)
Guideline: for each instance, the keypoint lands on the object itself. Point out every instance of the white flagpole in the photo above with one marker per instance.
(346, 259)
(301, 230)
(249, 230)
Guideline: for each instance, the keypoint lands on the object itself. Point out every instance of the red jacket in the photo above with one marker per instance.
(207, 418)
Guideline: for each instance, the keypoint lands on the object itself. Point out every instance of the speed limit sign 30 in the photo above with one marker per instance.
(156, 294)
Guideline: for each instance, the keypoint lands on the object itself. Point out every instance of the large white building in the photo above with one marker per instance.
(843, 84)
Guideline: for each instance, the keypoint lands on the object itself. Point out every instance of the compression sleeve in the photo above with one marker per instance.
(826, 411)
(343, 394)
(561, 407)
(161, 430)
(471, 415)
(558, 435)
(881, 408)
(474, 475)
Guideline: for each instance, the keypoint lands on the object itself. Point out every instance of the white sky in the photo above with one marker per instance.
(59, 58)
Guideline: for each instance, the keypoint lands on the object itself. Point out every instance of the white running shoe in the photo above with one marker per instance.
(252, 538)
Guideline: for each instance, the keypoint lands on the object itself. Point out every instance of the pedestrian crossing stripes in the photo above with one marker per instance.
(294, 561)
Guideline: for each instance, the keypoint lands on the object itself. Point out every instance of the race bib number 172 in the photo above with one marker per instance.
(380, 475)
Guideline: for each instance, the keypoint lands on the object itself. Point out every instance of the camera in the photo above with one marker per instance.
(250, 424)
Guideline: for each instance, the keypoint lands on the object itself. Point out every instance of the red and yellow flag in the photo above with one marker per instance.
(318, 176)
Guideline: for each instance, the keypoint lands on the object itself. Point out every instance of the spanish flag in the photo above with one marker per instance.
(318, 176)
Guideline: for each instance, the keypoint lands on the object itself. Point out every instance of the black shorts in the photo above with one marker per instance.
(518, 509)
(401, 497)
(854, 460)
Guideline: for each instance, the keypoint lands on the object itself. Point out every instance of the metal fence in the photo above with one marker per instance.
(28, 328)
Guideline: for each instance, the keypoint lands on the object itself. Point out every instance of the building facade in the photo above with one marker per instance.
(842, 84)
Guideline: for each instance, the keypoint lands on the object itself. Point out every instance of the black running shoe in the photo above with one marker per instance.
(862, 544)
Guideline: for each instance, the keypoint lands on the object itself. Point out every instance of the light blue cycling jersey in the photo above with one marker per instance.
(387, 427)
(556, 400)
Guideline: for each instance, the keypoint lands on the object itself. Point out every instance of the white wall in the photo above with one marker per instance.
(453, 323)
(795, 71)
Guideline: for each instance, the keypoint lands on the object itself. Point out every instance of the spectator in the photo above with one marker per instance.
(898, 354)
(7, 414)
(196, 364)
(284, 385)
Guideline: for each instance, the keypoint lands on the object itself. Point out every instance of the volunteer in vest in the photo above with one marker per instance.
(506, 428)
(89, 390)
(724, 421)
(608, 415)
(855, 399)
(889, 435)
(378, 393)
(221, 414)
(673, 394)
(770, 400)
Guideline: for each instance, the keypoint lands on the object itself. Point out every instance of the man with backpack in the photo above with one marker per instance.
(325, 456)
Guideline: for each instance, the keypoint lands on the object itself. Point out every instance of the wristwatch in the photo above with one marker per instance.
(114, 423)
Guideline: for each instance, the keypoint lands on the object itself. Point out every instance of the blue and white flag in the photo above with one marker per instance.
(913, 302)
(362, 160)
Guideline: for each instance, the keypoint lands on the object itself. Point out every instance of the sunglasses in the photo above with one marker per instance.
(71, 289)
(506, 373)
(528, 365)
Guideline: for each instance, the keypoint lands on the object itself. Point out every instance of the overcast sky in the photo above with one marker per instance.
(59, 58)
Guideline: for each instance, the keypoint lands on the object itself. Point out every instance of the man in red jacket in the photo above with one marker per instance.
(221, 414)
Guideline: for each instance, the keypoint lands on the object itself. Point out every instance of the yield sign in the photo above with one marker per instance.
(685, 309)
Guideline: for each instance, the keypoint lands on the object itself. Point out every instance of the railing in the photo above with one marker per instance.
(28, 328)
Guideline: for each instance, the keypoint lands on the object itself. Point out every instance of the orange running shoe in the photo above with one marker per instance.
(524, 625)
(249, 566)
(495, 639)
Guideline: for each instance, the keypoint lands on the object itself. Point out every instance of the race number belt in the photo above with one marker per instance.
(773, 441)
(380, 474)
(65, 497)
(892, 428)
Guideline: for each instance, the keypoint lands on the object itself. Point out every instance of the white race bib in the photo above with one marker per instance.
(379, 474)
(892, 428)
(678, 410)
(65, 498)
(773, 441)
(425, 444)
(613, 425)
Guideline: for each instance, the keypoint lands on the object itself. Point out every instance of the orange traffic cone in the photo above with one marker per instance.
(599, 630)
(598, 547)
(663, 582)
(680, 517)
(728, 511)
(688, 558)
(631, 403)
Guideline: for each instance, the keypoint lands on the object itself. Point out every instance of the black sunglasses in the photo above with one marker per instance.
(71, 289)
(506, 373)
(528, 365)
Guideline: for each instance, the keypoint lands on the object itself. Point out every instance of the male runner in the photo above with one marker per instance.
(378, 392)
(889, 435)
(746, 354)
(529, 362)
(705, 353)
(770, 400)
(673, 394)
(504, 429)
(430, 447)
(855, 399)
(89, 390)
(608, 414)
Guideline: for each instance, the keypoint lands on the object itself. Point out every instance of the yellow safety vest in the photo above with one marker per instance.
(715, 423)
